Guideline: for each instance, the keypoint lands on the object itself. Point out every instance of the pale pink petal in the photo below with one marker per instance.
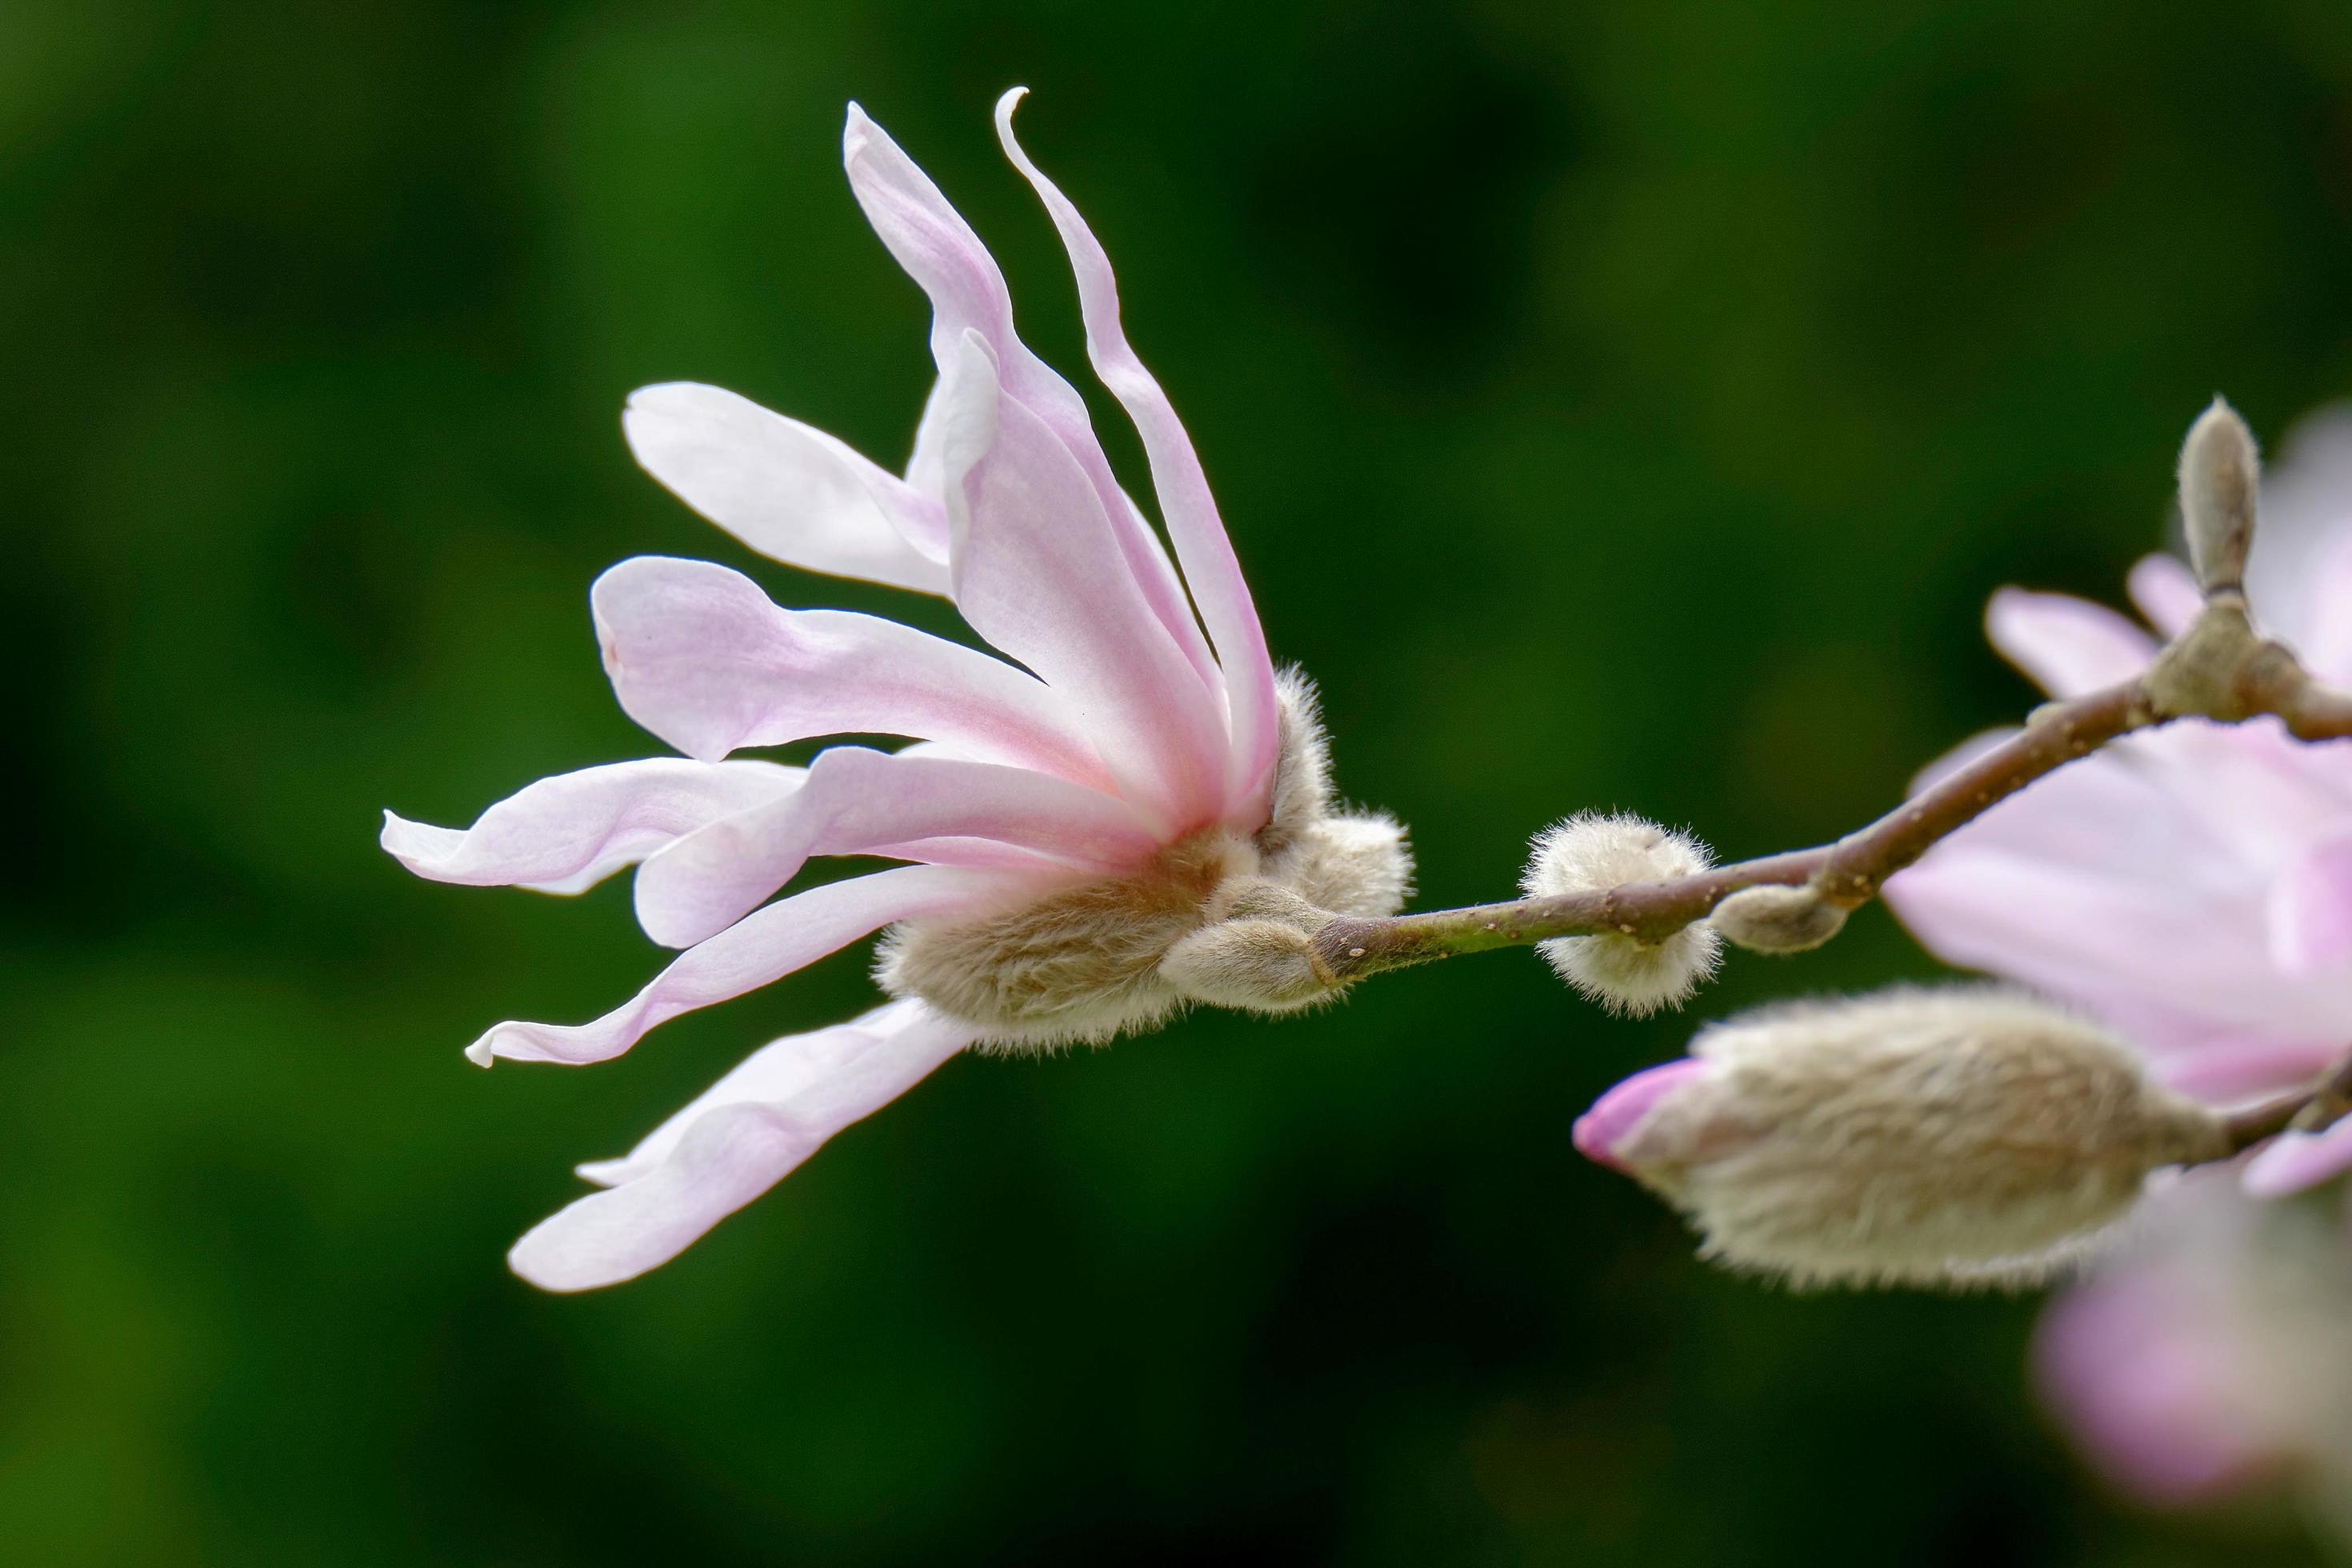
(2310, 910)
(1037, 575)
(1612, 1118)
(2068, 646)
(939, 251)
(2165, 591)
(789, 492)
(742, 1137)
(2297, 576)
(699, 656)
(760, 950)
(567, 833)
(2149, 1389)
(860, 802)
(1185, 502)
(2297, 1161)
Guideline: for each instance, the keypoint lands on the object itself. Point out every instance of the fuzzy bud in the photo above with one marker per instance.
(1259, 954)
(2220, 474)
(1774, 919)
(1928, 1137)
(1590, 852)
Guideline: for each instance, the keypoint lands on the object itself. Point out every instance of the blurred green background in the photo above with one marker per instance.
(1614, 405)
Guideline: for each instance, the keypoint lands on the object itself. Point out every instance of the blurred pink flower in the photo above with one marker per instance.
(1121, 730)
(2192, 885)
(2214, 1356)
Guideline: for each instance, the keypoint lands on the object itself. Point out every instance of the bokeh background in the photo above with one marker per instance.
(1615, 405)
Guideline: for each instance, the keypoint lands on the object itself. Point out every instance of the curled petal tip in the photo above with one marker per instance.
(1599, 1131)
(1008, 100)
(484, 1051)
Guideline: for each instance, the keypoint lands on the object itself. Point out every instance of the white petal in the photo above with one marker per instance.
(787, 935)
(567, 833)
(789, 492)
(858, 801)
(699, 656)
(741, 1138)
(1211, 569)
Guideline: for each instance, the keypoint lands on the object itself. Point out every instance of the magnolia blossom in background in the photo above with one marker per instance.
(2192, 885)
(1127, 812)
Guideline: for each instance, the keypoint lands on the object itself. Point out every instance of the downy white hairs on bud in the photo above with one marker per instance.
(1775, 918)
(2220, 475)
(1960, 1136)
(1591, 852)
(1217, 918)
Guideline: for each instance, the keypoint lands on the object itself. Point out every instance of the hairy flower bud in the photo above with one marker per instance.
(2221, 472)
(1592, 852)
(1774, 919)
(1966, 1135)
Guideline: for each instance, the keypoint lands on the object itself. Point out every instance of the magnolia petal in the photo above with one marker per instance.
(2148, 1389)
(760, 950)
(2297, 1161)
(566, 833)
(1036, 573)
(2310, 910)
(858, 801)
(792, 493)
(2067, 645)
(2165, 591)
(1199, 534)
(741, 1138)
(939, 251)
(703, 658)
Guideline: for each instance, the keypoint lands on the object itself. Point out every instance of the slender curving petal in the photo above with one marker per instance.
(1185, 501)
(2294, 1161)
(760, 950)
(2310, 910)
(741, 1138)
(859, 801)
(792, 493)
(939, 251)
(1037, 575)
(702, 657)
(2068, 646)
(566, 833)
(2165, 591)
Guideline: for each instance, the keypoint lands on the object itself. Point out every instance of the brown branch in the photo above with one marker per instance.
(2217, 669)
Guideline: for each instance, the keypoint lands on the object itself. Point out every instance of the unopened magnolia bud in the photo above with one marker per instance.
(1259, 965)
(1958, 1136)
(2220, 473)
(1773, 919)
(1589, 853)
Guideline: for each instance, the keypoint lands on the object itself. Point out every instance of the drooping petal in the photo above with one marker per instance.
(2068, 646)
(858, 801)
(760, 950)
(2165, 591)
(741, 1138)
(1037, 576)
(566, 833)
(939, 251)
(703, 658)
(792, 493)
(1211, 569)
(2310, 910)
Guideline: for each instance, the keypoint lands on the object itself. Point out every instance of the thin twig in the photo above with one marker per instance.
(2217, 669)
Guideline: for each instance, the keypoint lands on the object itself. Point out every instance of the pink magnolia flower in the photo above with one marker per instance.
(2192, 885)
(1090, 818)
(2214, 1356)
